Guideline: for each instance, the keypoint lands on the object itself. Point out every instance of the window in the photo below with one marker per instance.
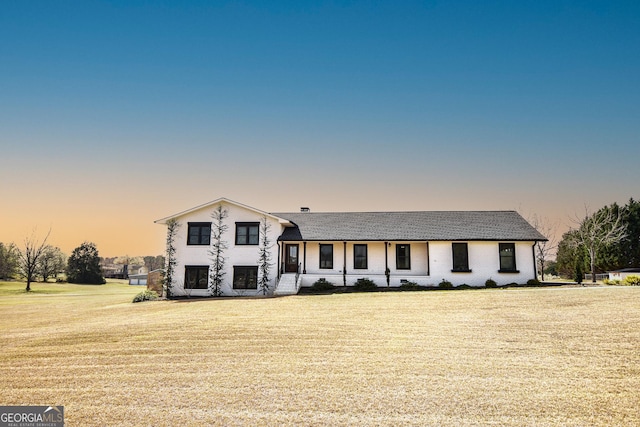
(199, 233)
(326, 256)
(247, 233)
(245, 277)
(360, 257)
(403, 257)
(196, 277)
(508, 257)
(460, 258)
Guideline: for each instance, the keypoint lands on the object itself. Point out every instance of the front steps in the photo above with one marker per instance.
(288, 285)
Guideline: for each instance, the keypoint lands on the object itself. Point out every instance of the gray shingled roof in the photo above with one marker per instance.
(408, 226)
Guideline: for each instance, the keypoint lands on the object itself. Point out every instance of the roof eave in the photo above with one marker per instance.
(280, 220)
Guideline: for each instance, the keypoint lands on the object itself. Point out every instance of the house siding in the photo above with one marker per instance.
(431, 259)
(235, 255)
(428, 267)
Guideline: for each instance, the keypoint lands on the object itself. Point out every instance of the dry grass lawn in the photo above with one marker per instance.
(545, 356)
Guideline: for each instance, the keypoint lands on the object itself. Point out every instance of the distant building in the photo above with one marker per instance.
(623, 273)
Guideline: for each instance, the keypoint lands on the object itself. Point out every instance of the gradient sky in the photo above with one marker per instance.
(116, 113)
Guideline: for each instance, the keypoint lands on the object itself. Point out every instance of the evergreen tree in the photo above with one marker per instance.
(84, 265)
(578, 274)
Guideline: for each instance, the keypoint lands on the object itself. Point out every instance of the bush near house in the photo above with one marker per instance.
(411, 286)
(145, 296)
(632, 280)
(322, 285)
(365, 284)
(445, 284)
(490, 283)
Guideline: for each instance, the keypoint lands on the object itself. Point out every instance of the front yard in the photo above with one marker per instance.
(538, 356)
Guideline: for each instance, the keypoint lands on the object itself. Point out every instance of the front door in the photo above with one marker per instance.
(291, 258)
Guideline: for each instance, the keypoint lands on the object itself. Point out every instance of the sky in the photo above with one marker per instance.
(114, 114)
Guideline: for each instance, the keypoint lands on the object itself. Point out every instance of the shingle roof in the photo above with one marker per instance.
(408, 226)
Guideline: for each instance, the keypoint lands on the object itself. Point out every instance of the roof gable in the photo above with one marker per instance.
(215, 202)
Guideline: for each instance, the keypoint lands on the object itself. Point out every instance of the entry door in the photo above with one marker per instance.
(291, 258)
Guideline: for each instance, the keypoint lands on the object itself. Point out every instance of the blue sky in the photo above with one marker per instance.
(342, 105)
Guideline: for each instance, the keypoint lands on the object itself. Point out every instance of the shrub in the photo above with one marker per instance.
(533, 282)
(145, 296)
(632, 280)
(611, 281)
(410, 286)
(464, 286)
(364, 284)
(445, 284)
(322, 285)
(490, 283)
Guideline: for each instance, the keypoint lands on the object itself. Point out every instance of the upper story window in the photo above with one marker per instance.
(247, 233)
(360, 257)
(460, 258)
(508, 257)
(326, 256)
(403, 257)
(199, 233)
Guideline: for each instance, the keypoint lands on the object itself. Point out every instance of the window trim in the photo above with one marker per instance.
(200, 234)
(187, 268)
(501, 257)
(366, 256)
(236, 269)
(320, 256)
(407, 256)
(248, 225)
(453, 257)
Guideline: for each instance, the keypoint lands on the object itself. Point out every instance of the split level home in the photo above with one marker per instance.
(389, 248)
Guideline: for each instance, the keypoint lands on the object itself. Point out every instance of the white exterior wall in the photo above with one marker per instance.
(621, 275)
(238, 255)
(484, 263)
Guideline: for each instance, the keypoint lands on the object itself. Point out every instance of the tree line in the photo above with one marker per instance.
(39, 260)
(606, 240)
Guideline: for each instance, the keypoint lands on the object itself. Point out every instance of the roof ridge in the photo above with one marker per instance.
(416, 211)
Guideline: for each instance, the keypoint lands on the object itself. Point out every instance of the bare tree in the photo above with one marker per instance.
(30, 257)
(544, 249)
(218, 247)
(153, 262)
(598, 230)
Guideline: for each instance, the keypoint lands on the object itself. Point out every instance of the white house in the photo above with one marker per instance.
(390, 248)
(623, 273)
